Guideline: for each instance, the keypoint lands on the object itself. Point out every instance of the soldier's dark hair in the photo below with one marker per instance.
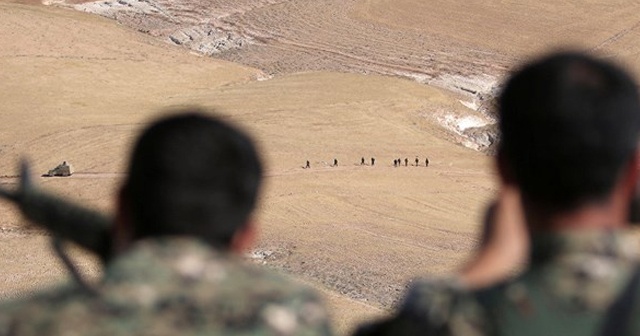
(192, 174)
(570, 124)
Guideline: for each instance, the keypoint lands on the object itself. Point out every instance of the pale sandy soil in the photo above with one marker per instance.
(454, 43)
(463, 46)
(77, 87)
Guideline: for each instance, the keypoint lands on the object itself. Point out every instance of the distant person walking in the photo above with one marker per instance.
(373, 161)
(395, 163)
(362, 161)
(417, 161)
(426, 162)
(335, 162)
(308, 164)
(406, 162)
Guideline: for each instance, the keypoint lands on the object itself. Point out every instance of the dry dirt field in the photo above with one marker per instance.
(460, 45)
(312, 80)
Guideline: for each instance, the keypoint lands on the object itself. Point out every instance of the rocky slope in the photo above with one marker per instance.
(289, 36)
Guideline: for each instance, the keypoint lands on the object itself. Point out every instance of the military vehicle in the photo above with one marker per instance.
(63, 169)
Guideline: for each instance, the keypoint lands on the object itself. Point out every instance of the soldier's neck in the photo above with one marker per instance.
(610, 214)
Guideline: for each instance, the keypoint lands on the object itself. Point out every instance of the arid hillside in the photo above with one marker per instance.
(465, 47)
(77, 88)
(310, 80)
(460, 45)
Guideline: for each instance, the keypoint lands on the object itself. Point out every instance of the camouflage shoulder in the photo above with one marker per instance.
(447, 307)
(226, 293)
(467, 317)
(34, 309)
(432, 299)
(426, 309)
(299, 310)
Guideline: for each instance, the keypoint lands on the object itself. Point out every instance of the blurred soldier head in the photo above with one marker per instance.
(190, 174)
(570, 126)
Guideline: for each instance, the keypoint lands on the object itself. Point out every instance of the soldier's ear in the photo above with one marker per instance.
(631, 175)
(504, 169)
(122, 234)
(244, 238)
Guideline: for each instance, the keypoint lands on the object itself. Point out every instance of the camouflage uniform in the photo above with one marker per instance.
(571, 283)
(173, 286)
(426, 309)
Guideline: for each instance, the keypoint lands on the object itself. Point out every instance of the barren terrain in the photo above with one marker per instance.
(464, 46)
(310, 80)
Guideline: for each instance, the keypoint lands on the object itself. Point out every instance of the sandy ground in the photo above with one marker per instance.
(458, 44)
(465, 47)
(78, 87)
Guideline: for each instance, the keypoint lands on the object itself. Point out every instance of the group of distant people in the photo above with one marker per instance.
(335, 163)
(396, 162)
(567, 168)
